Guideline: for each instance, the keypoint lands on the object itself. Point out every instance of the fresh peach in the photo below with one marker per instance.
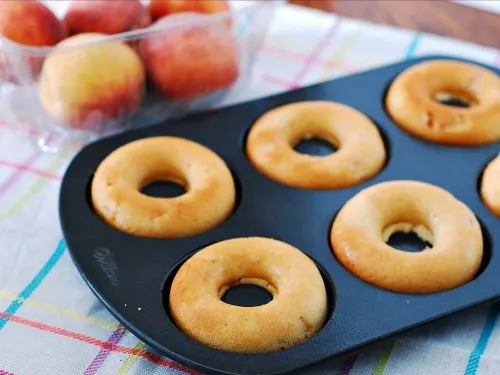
(29, 23)
(87, 87)
(161, 8)
(106, 16)
(187, 62)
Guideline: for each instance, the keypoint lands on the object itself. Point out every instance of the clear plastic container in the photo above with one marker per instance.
(94, 87)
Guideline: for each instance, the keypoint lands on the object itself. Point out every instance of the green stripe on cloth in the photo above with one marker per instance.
(384, 359)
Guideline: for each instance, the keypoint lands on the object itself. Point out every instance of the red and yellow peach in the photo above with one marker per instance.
(29, 23)
(106, 17)
(187, 62)
(86, 87)
(161, 8)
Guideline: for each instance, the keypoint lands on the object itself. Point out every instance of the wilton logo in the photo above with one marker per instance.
(105, 259)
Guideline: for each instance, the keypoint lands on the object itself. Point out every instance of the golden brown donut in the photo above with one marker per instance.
(490, 186)
(360, 149)
(117, 183)
(413, 102)
(298, 309)
(365, 223)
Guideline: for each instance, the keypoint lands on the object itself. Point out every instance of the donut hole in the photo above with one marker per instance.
(456, 98)
(315, 146)
(163, 189)
(247, 293)
(408, 237)
(410, 242)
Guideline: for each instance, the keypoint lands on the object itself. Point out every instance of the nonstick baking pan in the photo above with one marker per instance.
(132, 275)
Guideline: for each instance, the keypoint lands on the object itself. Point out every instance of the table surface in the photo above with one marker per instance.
(433, 16)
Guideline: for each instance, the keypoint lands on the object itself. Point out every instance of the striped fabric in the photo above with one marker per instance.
(50, 323)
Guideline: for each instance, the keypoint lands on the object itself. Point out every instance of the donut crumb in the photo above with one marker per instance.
(429, 119)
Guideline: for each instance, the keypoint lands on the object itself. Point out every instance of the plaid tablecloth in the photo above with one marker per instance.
(50, 322)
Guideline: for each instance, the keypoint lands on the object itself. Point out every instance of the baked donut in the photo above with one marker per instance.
(413, 102)
(490, 186)
(117, 183)
(271, 140)
(297, 311)
(365, 223)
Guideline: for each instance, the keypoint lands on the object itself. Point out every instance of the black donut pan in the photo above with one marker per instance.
(131, 275)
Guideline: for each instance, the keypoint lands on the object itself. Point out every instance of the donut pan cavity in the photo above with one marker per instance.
(131, 275)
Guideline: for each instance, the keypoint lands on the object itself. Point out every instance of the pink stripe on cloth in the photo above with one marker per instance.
(314, 56)
(97, 342)
(2, 372)
(26, 168)
(20, 129)
(291, 55)
(279, 81)
(18, 173)
(104, 352)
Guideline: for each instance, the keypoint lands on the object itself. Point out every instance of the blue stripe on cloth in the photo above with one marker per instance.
(413, 46)
(35, 283)
(482, 343)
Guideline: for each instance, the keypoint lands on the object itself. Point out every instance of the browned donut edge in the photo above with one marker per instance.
(297, 312)
(454, 260)
(116, 202)
(364, 160)
(439, 123)
(490, 186)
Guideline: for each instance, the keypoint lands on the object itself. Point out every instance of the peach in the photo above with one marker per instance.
(190, 61)
(161, 8)
(106, 16)
(29, 23)
(93, 85)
